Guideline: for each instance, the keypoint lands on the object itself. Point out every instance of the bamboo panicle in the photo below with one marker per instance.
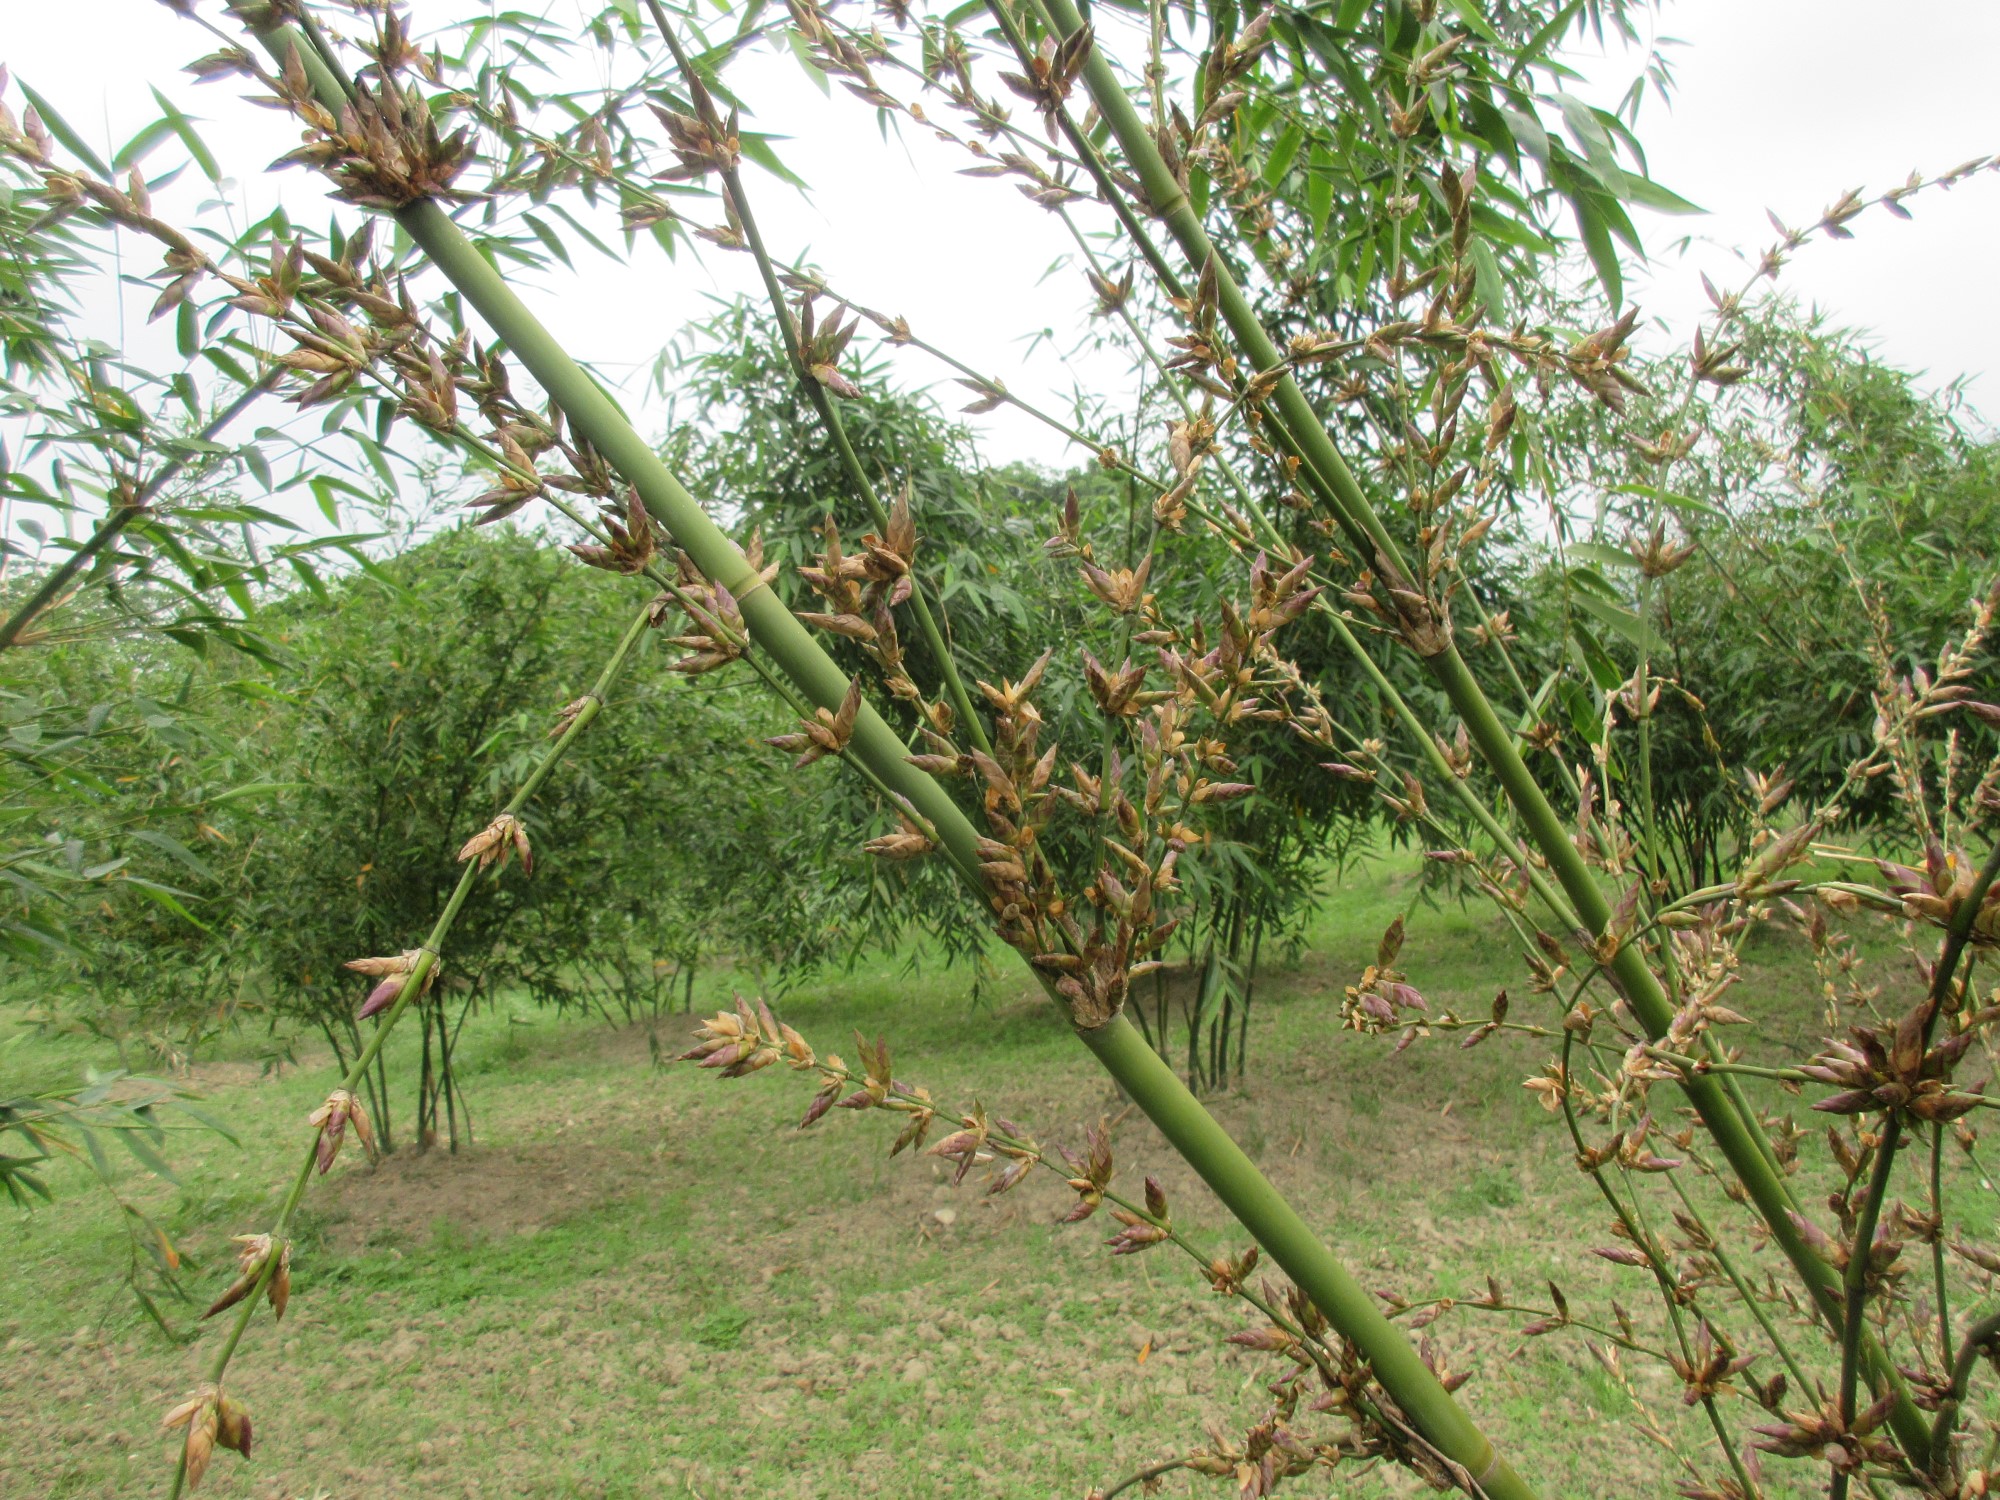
(1285, 1236)
(1637, 1008)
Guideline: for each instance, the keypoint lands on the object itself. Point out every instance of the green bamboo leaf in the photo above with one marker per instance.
(1618, 618)
(95, 1149)
(1603, 556)
(1582, 709)
(805, 58)
(1528, 134)
(190, 138)
(203, 1117)
(1595, 660)
(136, 1142)
(551, 239)
(1672, 498)
(19, 1175)
(1591, 228)
(259, 466)
(1649, 194)
(584, 230)
(152, 1310)
(60, 129)
(135, 150)
(1475, 23)
(175, 848)
(252, 790)
(758, 149)
(227, 365)
(1319, 188)
(1283, 151)
(162, 895)
(1491, 286)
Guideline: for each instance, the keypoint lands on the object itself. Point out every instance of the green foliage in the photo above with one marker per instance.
(425, 697)
(1839, 529)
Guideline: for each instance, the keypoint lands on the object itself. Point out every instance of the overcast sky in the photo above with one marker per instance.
(1780, 105)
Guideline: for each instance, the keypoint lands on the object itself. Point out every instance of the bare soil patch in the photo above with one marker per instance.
(481, 1192)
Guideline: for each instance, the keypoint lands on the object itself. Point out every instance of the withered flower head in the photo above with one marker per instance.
(201, 1415)
(910, 842)
(630, 540)
(253, 1255)
(746, 1040)
(824, 733)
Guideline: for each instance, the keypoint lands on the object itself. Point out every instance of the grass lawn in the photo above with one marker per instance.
(645, 1282)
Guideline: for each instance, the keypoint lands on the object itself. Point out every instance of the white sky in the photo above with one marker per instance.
(1780, 104)
(1786, 104)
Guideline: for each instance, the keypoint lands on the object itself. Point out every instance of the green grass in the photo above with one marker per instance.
(645, 1283)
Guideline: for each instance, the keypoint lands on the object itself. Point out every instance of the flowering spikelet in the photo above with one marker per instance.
(746, 1040)
(911, 842)
(825, 733)
(391, 970)
(497, 842)
(200, 1414)
(253, 1254)
(332, 1119)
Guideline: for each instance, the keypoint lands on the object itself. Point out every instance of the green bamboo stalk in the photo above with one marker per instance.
(1221, 1163)
(1735, 1137)
(1249, 1195)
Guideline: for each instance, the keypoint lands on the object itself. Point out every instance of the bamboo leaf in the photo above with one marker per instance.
(136, 1142)
(135, 150)
(60, 129)
(196, 146)
(1591, 228)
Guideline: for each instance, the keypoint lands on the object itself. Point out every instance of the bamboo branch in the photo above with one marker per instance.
(1733, 1129)
(414, 984)
(122, 514)
(822, 401)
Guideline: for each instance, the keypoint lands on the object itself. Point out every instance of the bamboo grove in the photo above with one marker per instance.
(1317, 232)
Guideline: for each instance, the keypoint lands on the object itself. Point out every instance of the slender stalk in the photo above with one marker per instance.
(1631, 1215)
(1855, 1279)
(822, 402)
(1145, 1477)
(1957, 936)
(1135, 1066)
(1976, 1339)
(1248, 1194)
(123, 514)
(413, 986)
(1937, 1243)
(1744, 1290)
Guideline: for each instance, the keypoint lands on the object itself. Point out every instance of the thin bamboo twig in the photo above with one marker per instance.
(1855, 1281)
(414, 985)
(822, 401)
(123, 513)
(1977, 1337)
